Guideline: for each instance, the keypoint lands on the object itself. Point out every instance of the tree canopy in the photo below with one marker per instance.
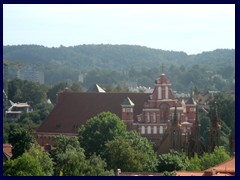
(70, 159)
(173, 161)
(130, 153)
(31, 163)
(100, 129)
(21, 141)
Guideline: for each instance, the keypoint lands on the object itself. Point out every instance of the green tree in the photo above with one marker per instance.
(32, 163)
(194, 163)
(173, 161)
(97, 167)
(130, 153)
(120, 154)
(70, 159)
(43, 110)
(44, 160)
(218, 156)
(171, 173)
(76, 87)
(52, 92)
(61, 145)
(26, 91)
(21, 141)
(144, 146)
(72, 162)
(97, 131)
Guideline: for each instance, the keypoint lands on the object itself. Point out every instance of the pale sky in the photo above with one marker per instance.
(189, 28)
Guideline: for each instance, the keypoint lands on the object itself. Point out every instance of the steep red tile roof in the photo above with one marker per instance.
(140, 174)
(7, 148)
(225, 167)
(189, 173)
(74, 109)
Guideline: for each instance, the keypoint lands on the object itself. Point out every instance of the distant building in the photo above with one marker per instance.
(31, 73)
(16, 110)
(7, 152)
(168, 122)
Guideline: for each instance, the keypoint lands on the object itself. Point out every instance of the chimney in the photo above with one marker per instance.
(118, 171)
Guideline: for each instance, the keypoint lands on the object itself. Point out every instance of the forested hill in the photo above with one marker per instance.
(120, 64)
(114, 57)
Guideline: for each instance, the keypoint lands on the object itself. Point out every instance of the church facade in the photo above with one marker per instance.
(168, 122)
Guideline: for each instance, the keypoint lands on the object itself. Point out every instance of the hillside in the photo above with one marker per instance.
(119, 61)
(112, 56)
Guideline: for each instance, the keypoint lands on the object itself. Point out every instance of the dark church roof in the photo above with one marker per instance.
(74, 109)
(191, 101)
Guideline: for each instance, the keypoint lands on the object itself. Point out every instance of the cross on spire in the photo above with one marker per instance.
(162, 66)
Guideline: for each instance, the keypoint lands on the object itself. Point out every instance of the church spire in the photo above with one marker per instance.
(195, 145)
(215, 130)
(162, 68)
(175, 117)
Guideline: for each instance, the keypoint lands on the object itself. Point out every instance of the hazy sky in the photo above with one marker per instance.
(189, 28)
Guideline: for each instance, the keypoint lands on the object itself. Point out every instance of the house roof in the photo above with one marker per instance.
(189, 173)
(140, 174)
(225, 167)
(7, 149)
(73, 109)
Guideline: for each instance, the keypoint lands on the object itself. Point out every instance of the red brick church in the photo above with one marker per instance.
(169, 123)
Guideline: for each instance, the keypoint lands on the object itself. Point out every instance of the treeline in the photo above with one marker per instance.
(118, 64)
(102, 146)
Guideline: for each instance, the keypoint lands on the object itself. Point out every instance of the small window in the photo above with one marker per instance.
(143, 130)
(155, 130)
(161, 130)
(128, 109)
(154, 117)
(192, 109)
(149, 130)
(147, 116)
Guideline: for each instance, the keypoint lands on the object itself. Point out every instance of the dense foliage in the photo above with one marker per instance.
(131, 153)
(99, 130)
(26, 91)
(31, 163)
(178, 161)
(70, 160)
(206, 161)
(173, 161)
(21, 141)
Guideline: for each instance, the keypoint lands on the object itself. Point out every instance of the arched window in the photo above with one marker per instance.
(142, 130)
(159, 92)
(155, 130)
(147, 117)
(149, 129)
(166, 92)
(161, 130)
(154, 117)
